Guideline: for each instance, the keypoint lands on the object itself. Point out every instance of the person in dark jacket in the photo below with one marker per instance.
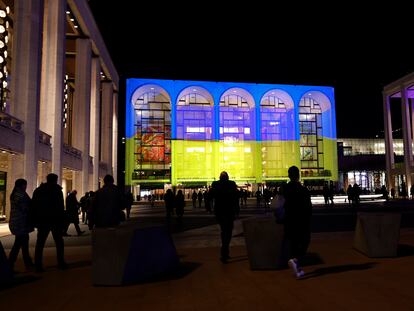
(20, 223)
(226, 202)
(179, 205)
(49, 217)
(169, 203)
(298, 212)
(83, 202)
(72, 213)
(108, 204)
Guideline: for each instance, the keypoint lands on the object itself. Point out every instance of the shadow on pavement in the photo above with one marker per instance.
(312, 259)
(338, 269)
(183, 269)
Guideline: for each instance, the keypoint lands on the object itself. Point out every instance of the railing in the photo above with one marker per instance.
(323, 173)
(72, 151)
(136, 175)
(44, 138)
(10, 122)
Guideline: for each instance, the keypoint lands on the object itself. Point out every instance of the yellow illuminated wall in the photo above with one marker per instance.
(277, 157)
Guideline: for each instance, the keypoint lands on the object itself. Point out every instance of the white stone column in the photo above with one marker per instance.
(106, 128)
(81, 109)
(26, 74)
(95, 120)
(406, 128)
(389, 144)
(53, 71)
(115, 136)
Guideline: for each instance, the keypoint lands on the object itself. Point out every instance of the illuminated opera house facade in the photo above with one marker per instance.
(184, 133)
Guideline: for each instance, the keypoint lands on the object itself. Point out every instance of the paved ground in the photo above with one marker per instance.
(338, 277)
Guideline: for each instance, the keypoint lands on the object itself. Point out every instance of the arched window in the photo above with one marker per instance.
(277, 134)
(195, 115)
(236, 118)
(311, 137)
(152, 134)
(193, 146)
(237, 134)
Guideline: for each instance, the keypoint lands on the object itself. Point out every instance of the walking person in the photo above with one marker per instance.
(83, 201)
(350, 193)
(179, 206)
(297, 225)
(20, 223)
(200, 198)
(331, 192)
(226, 201)
(194, 198)
(49, 217)
(169, 203)
(89, 203)
(384, 192)
(325, 192)
(72, 213)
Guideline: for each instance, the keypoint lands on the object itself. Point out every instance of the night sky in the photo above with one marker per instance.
(357, 51)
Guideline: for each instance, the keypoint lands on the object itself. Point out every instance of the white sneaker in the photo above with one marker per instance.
(300, 274)
(294, 266)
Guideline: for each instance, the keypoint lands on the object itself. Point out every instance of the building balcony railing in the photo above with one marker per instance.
(10, 122)
(323, 173)
(138, 176)
(44, 138)
(72, 151)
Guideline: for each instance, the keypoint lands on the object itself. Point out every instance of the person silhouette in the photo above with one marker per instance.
(72, 213)
(298, 213)
(20, 224)
(226, 202)
(179, 206)
(48, 211)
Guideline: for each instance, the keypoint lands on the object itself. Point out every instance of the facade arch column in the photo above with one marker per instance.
(25, 84)
(53, 71)
(95, 122)
(406, 125)
(81, 108)
(115, 136)
(106, 124)
(389, 148)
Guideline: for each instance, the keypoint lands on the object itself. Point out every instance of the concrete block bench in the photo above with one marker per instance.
(264, 243)
(6, 275)
(377, 234)
(125, 254)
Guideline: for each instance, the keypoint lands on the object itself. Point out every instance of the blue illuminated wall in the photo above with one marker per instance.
(250, 130)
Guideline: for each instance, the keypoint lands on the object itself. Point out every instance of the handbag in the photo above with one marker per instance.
(278, 205)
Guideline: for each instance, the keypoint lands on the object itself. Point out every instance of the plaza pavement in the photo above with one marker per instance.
(337, 276)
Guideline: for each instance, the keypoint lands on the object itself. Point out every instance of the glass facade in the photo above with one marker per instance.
(255, 132)
(358, 146)
(193, 148)
(311, 138)
(277, 133)
(152, 137)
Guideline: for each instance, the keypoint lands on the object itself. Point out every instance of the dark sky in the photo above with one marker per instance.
(355, 50)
